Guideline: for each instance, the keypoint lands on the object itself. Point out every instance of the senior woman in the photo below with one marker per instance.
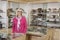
(19, 26)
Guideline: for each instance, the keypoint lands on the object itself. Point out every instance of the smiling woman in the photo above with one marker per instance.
(19, 24)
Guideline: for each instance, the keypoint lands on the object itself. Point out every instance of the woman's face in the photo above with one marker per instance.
(19, 13)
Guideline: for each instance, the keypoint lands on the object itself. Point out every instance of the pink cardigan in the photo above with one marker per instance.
(23, 25)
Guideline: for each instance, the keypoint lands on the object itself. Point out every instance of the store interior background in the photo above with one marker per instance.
(29, 6)
(4, 5)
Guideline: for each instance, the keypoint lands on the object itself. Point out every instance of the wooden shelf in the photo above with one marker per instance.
(52, 1)
(33, 1)
(17, 1)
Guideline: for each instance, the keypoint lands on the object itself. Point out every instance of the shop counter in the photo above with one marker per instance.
(28, 36)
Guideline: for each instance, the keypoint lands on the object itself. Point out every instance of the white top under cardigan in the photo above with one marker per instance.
(18, 23)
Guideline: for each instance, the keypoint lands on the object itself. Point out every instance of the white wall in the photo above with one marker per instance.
(14, 5)
(35, 6)
(53, 5)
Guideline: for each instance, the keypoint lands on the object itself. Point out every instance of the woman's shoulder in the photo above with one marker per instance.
(23, 16)
(14, 18)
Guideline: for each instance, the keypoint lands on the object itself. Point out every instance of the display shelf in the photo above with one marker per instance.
(45, 16)
(40, 16)
(11, 14)
(53, 18)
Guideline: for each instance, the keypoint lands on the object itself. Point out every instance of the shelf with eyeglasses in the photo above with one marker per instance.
(38, 17)
(44, 17)
(53, 17)
(11, 13)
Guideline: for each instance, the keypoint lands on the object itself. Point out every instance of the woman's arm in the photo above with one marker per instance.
(13, 26)
(25, 25)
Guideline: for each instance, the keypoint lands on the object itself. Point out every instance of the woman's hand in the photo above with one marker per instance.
(14, 35)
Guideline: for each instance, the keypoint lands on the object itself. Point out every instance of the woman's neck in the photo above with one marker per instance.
(19, 16)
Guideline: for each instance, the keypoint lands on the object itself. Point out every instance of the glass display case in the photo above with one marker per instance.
(47, 16)
(53, 17)
(38, 20)
(43, 17)
(38, 16)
